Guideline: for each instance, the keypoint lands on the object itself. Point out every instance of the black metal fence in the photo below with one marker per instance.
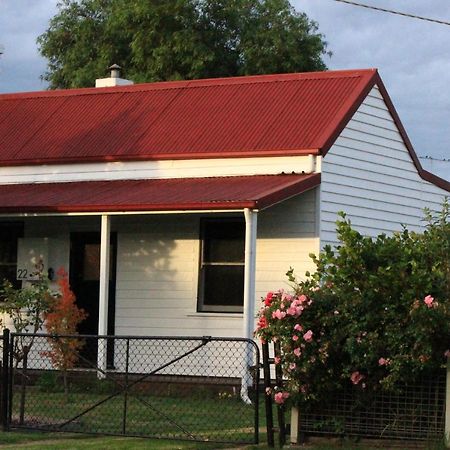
(191, 388)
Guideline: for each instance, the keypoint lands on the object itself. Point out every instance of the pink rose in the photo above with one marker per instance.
(297, 351)
(298, 327)
(277, 360)
(278, 314)
(308, 336)
(295, 338)
(302, 298)
(292, 311)
(429, 301)
(280, 397)
(356, 377)
(292, 366)
(382, 362)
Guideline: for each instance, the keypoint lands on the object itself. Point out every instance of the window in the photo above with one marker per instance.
(9, 234)
(221, 281)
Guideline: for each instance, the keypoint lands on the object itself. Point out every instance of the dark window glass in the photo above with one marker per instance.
(221, 286)
(224, 242)
(224, 285)
(9, 234)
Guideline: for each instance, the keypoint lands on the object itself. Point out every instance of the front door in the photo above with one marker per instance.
(84, 281)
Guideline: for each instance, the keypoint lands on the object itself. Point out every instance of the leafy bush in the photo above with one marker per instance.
(375, 313)
(25, 307)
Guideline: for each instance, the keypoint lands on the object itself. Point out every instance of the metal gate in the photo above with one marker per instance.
(189, 388)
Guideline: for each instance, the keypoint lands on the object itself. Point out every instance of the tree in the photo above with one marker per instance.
(158, 40)
(61, 321)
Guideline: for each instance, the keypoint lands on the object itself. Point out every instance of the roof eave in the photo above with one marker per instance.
(349, 108)
(352, 106)
(162, 157)
(425, 175)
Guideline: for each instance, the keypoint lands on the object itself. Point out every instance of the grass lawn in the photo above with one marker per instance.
(44, 441)
(202, 417)
(205, 416)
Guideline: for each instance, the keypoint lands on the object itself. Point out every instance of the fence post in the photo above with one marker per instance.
(280, 407)
(268, 395)
(256, 391)
(5, 381)
(23, 384)
(125, 394)
(447, 406)
(295, 418)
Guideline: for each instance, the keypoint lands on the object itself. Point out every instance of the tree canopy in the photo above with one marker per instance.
(155, 40)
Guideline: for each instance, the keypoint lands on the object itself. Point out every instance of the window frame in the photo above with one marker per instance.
(201, 306)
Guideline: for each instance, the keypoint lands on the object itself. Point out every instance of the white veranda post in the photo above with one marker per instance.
(249, 272)
(103, 291)
(249, 293)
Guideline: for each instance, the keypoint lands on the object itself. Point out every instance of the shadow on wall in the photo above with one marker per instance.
(155, 259)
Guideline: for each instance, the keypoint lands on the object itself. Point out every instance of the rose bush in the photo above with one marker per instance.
(375, 314)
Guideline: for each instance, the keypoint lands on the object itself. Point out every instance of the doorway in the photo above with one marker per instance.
(85, 282)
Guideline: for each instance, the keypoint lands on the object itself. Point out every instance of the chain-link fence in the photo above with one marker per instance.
(165, 387)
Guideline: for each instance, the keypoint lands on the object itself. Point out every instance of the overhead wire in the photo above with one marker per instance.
(391, 11)
(432, 158)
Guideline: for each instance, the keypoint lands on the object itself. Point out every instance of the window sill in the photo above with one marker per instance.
(227, 315)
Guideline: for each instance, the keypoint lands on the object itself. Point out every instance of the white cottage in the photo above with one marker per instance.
(175, 205)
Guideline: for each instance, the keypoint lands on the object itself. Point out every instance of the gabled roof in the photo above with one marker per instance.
(262, 115)
(195, 194)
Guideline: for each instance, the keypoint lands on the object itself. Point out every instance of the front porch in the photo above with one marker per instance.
(181, 264)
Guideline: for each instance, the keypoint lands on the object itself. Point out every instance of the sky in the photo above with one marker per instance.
(413, 58)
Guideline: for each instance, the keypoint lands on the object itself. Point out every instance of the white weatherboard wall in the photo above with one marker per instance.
(287, 234)
(369, 174)
(158, 259)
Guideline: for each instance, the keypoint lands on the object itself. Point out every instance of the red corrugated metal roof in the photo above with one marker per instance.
(244, 116)
(259, 191)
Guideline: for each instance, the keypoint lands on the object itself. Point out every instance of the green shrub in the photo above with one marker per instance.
(375, 313)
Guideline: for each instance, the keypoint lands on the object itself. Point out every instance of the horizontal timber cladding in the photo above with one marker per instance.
(369, 174)
(157, 268)
(158, 261)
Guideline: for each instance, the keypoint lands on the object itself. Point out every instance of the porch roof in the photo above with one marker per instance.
(220, 193)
